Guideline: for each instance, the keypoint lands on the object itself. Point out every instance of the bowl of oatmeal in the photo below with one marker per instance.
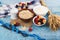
(25, 14)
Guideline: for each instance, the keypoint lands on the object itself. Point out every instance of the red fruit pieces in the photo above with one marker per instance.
(17, 24)
(36, 20)
(30, 29)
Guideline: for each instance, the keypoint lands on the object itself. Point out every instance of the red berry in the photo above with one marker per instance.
(17, 24)
(36, 20)
(30, 29)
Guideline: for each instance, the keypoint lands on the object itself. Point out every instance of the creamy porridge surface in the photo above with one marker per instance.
(25, 14)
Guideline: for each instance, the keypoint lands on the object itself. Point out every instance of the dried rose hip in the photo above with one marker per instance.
(36, 20)
(30, 29)
(17, 24)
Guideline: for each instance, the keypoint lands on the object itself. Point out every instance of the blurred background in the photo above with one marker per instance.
(44, 32)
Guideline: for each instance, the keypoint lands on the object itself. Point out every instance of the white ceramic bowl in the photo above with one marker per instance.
(35, 23)
(40, 10)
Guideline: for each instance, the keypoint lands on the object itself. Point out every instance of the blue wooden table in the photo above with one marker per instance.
(44, 31)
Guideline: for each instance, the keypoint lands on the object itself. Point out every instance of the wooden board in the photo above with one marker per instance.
(22, 23)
